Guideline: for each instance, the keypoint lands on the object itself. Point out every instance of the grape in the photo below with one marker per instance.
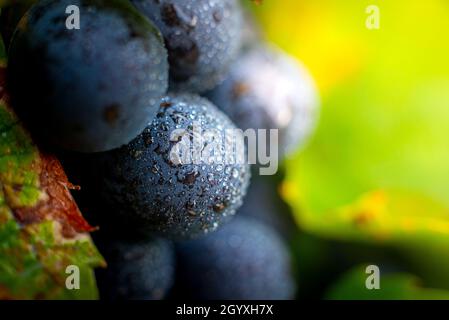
(266, 89)
(150, 191)
(202, 37)
(245, 260)
(137, 269)
(91, 89)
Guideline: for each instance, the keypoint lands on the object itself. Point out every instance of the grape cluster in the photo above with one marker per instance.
(108, 98)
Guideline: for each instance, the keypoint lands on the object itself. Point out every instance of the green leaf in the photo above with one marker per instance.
(42, 231)
(415, 225)
(384, 216)
(397, 286)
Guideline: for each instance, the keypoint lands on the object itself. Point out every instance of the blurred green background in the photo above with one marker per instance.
(373, 184)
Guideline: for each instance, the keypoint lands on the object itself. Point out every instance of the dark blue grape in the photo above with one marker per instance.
(266, 89)
(245, 260)
(150, 191)
(91, 89)
(137, 270)
(202, 38)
